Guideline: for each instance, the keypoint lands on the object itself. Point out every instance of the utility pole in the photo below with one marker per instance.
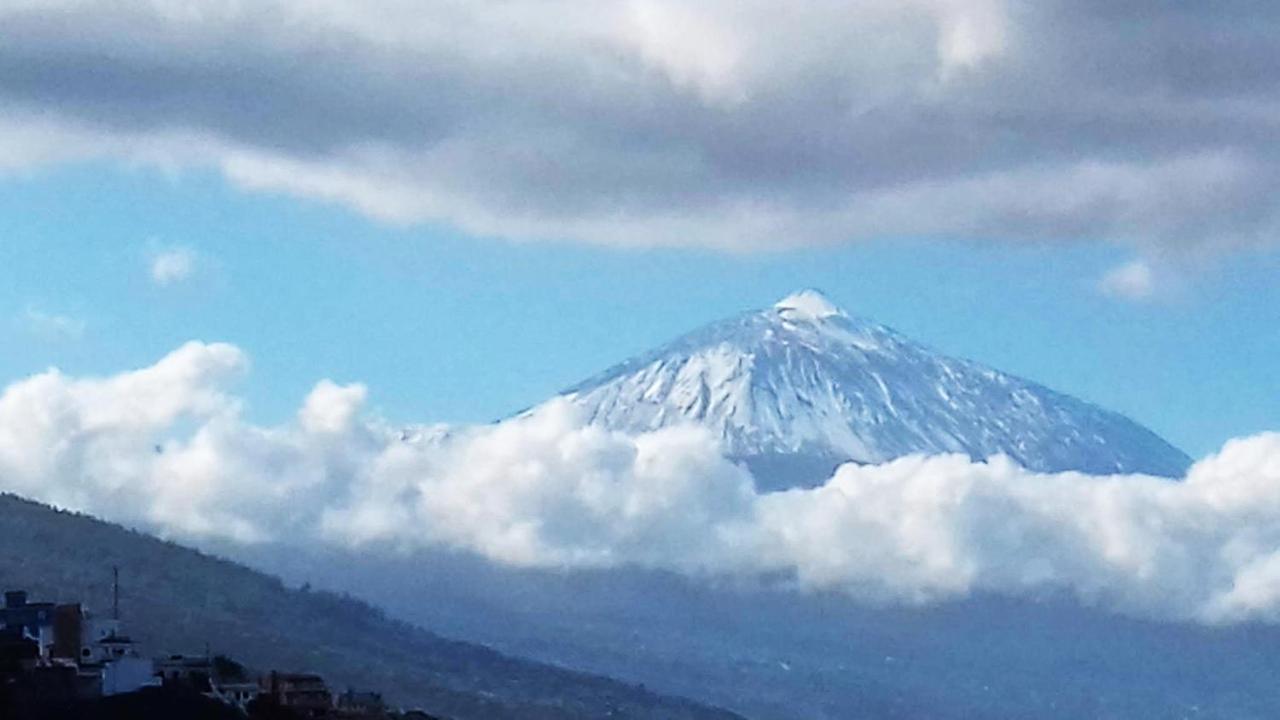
(115, 592)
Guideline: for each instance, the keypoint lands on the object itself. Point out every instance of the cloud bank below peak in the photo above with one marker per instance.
(734, 125)
(167, 448)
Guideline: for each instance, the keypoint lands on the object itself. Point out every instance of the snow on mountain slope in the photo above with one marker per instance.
(794, 390)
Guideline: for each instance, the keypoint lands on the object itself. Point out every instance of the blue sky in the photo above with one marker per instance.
(443, 326)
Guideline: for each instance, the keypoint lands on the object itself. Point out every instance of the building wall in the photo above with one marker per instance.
(93, 631)
(29, 616)
(68, 628)
(127, 675)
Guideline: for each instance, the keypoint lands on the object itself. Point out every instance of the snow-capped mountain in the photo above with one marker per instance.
(794, 390)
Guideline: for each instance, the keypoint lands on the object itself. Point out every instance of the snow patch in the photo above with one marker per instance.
(807, 305)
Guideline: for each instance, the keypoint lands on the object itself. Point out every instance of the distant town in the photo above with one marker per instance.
(59, 660)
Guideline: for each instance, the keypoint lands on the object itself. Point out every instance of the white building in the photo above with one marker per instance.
(127, 674)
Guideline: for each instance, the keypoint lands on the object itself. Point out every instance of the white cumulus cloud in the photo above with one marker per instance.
(1134, 280)
(167, 448)
(171, 266)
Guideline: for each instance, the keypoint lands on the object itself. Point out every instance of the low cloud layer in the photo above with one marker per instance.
(168, 449)
(744, 124)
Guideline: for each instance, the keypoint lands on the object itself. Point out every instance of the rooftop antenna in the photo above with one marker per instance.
(115, 593)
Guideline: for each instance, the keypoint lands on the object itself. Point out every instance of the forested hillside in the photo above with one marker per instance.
(177, 600)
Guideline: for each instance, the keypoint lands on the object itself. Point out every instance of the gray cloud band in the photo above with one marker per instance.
(726, 124)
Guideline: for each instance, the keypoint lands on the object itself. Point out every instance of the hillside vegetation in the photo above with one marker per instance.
(177, 600)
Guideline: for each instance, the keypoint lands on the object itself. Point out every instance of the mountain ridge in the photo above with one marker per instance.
(176, 599)
(798, 388)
